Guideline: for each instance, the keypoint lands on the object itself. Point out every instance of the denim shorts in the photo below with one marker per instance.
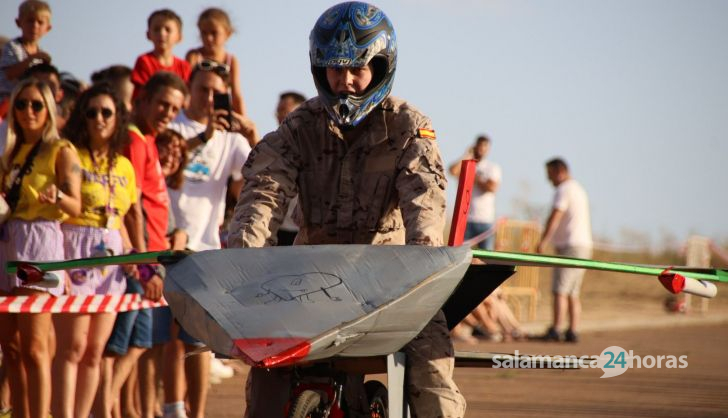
(162, 319)
(132, 328)
(476, 228)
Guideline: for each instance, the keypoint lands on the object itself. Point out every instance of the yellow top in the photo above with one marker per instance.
(42, 175)
(105, 203)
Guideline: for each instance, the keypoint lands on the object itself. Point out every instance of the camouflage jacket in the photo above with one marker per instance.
(381, 182)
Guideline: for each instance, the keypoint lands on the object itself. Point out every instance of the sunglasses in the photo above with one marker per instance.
(22, 104)
(92, 112)
(211, 65)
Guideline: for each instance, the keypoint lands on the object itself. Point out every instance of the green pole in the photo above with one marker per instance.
(136, 258)
(554, 261)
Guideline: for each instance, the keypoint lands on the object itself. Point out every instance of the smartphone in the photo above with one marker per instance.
(222, 101)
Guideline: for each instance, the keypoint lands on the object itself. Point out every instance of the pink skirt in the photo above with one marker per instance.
(88, 241)
(39, 240)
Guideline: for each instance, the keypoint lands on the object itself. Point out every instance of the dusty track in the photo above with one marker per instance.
(696, 391)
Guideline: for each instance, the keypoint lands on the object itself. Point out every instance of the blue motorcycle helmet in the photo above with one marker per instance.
(353, 34)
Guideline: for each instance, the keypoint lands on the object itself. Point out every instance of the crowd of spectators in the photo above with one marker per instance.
(143, 158)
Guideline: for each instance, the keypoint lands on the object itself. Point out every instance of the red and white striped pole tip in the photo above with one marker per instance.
(676, 283)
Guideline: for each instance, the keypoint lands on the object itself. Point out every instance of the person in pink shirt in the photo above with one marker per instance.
(164, 29)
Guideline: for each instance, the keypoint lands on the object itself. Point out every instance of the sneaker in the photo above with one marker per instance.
(571, 337)
(479, 332)
(463, 333)
(220, 370)
(551, 335)
(519, 335)
(174, 410)
(494, 337)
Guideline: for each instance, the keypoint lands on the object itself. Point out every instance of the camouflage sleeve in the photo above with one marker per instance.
(421, 186)
(270, 182)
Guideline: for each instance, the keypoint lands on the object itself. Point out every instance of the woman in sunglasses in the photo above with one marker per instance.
(98, 128)
(41, 181)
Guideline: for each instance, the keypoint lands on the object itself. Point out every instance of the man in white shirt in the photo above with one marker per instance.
(217, 150)
(481, 216)
(569, 229)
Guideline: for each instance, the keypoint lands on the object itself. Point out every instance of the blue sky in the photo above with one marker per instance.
(633, 94)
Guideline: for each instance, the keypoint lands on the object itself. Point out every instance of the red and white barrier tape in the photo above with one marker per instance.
(76, 304)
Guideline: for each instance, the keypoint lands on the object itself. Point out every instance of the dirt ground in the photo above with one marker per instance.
(696, 391)
(621, 310)
(699, 390)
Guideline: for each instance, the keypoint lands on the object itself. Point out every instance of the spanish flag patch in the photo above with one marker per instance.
(426, 133)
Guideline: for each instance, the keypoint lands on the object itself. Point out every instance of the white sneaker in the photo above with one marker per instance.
(218, 370)
(174, 410)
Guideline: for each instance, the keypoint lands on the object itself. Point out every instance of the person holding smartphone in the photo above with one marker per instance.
(214, 109)
(218, 142)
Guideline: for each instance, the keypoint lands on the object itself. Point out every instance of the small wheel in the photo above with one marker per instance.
(378, 398)
(306, 405)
